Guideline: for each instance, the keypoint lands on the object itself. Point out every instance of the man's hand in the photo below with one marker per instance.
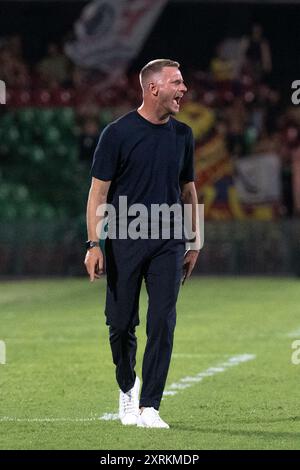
(94, 263)
(189, 263)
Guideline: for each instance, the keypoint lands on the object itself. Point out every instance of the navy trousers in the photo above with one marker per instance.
(159, 263)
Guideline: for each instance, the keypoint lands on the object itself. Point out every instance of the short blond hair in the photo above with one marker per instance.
(155, 66)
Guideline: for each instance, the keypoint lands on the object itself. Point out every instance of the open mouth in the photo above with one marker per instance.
(177, 99)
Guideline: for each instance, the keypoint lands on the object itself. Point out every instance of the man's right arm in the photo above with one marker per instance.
(97, 196)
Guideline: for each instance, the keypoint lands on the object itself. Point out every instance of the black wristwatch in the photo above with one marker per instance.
(90, 244)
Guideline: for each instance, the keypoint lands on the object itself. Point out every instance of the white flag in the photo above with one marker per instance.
(110, 33)
(258, 179)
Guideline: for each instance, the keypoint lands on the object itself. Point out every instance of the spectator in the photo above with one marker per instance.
(290, 143)
(257, 54)
(14, 71)
(236, 116)
(221, 67)
(54, 69)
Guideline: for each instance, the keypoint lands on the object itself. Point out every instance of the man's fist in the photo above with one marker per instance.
(94, 263)
(189, 263)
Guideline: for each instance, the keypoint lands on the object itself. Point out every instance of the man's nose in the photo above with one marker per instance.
(183, 88)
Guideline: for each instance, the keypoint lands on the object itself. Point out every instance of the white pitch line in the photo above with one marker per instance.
(183, 383)
(179, 386)
(192, 355)
(110, 417)
(190, 379)
(187, 382)
(8, 419)
(294, 334)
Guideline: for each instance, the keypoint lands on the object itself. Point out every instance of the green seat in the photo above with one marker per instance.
(106, 117)
(12, 138)
(64, 118)
(25, 117)
(7, 120)
(51, 136)
(62, 150)
(37, 154)
(44, 117)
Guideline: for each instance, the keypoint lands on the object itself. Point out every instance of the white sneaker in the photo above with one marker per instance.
(149, 418)
(129, 404)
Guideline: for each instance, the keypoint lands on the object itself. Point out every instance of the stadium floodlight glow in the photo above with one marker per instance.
(2, 92)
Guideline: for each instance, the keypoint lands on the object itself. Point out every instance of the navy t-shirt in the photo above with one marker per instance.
(145, 162)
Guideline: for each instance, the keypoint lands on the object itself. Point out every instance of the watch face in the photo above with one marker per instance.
(89, 244)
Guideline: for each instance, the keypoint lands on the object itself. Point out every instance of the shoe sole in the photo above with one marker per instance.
(151, 427)
(128, 424)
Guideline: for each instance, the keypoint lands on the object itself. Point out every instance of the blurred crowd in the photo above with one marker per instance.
(234, 94)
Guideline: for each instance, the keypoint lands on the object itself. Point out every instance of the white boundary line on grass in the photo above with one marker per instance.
(172, 390)
(294, 334)
(8, 419)
(187, 382)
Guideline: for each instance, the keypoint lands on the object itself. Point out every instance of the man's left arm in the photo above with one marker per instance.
(191, 222)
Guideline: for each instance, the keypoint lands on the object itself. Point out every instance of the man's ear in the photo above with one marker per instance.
(153, 88)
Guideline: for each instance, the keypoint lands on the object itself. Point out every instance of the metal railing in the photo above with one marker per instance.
(56, 248)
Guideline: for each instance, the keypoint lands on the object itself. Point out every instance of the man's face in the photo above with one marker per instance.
(171, 88)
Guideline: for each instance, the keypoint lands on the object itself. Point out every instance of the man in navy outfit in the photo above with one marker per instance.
(147, 156)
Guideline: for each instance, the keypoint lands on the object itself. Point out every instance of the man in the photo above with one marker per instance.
(147, 156)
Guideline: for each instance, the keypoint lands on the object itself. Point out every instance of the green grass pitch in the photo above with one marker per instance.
(59, 379)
